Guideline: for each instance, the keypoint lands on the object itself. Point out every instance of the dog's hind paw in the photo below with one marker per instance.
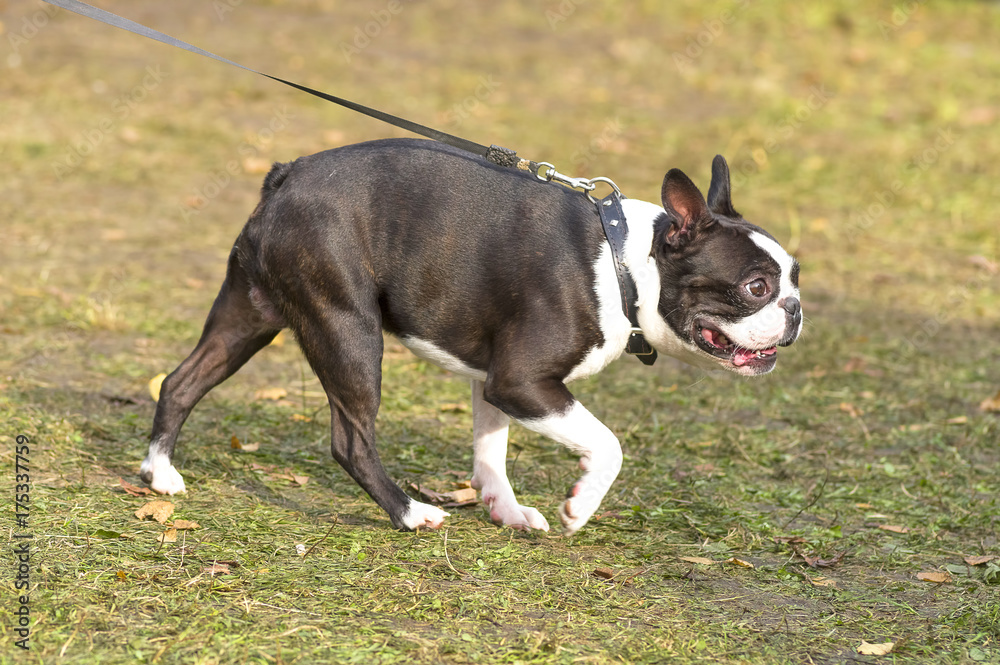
(422, 515)
(161, 475)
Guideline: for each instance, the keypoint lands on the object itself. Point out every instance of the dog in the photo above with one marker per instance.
(493, 275)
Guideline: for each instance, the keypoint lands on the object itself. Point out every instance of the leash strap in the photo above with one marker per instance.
(616, 230)
(496, 154)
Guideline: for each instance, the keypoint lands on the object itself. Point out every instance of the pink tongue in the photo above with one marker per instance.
(743, 356)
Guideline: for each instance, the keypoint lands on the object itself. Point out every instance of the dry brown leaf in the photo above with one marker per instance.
(604, 573)
(461, 495)
(937, 578)
(133, 490)
(463, 484)
(893, 528)
(121, 574)
(185, 524)
(822, 581)
(273, 394)
(699, 559)
(154, 386)
(168, 536)
(980, 560)
(159, 510)
(740, 562)
(234, 442)
(991, 404)
(216, 569)
(882, 649)
(816, 562)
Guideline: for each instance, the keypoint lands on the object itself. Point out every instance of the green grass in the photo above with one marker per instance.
(864, 138)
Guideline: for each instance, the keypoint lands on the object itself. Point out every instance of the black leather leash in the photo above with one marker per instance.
(616, 230)
(496, 154)
(612, 217)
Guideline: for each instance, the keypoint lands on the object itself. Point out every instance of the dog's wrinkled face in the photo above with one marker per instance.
(729, 291)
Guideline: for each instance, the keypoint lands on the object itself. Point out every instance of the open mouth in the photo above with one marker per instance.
(716, 343)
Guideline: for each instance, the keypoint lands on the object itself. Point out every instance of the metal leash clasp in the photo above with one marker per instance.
(547, 173)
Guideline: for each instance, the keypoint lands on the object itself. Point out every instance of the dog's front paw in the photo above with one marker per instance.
(422, 515)
(516, 516)
(577, 509)
(161, 475)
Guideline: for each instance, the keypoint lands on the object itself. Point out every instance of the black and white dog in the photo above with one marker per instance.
(493, 275)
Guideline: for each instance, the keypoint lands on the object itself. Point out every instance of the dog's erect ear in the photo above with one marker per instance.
(684, 205)
(719, 200)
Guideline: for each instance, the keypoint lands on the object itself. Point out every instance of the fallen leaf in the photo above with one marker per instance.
(699, 560)
(937, 578)
(864, 506)
(159, 510)
(234, 442)
(980, 560)
(168, 536)
(133, 490)
(216, 569)
(249, 447)
(454, 407)
(991, 404)
(299, 480)
(822, 581)
(121, 574)
(849, 409)
(461, 495)
(816, 562)
(740, 562)
(893, 528)
(300, 418)
(463, 484)
(185, 524)
(106, 534)
(792, 540)
(882, 649)
(604, 573)
(958, 420)
(154, 386)
(273, 394)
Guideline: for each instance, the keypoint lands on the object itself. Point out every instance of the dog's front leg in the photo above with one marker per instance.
(489, 442)
(546, 406)
(600, 458)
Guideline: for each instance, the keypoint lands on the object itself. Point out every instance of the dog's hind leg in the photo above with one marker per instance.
(343, 345)
(489, 442)
(234, 331)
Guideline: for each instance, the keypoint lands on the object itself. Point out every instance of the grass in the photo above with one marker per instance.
(863, 138)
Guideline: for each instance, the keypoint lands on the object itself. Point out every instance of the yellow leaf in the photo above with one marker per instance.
(154, 386)
(299, 417)
(991, 404)
(234, 442)
(698, 559)
(882, 649)
(980, 560)
(821, 581)
(740, 562)
(937, 578)
(893, 528)
(168, 536)
(159, 510)
(121, 574)
(273, 394)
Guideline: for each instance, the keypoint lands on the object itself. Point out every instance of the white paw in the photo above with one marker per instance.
(578, 508)
(423, 515)
(516, 516)
(161, 475)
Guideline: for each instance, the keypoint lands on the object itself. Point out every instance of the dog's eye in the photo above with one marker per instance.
(757, 288)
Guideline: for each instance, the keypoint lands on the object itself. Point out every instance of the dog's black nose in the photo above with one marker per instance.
(792, 306)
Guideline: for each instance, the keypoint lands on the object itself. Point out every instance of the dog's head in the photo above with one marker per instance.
(728, 291)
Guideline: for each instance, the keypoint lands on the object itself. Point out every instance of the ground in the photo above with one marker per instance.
(788, 518)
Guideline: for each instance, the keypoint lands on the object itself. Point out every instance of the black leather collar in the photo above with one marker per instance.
(616, 230)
